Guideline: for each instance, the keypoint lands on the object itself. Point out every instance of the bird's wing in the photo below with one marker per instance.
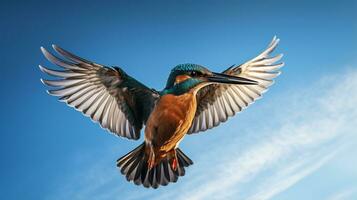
(107, 95)
(215, 103)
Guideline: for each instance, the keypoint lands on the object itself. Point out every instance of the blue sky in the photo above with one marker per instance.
(298, 142)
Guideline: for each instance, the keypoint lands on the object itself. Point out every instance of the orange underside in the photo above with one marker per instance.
(168, 123)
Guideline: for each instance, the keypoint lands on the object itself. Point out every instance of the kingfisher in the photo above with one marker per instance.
(194, 100)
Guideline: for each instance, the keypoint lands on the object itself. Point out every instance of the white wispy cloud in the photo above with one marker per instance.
(344, 194)
(295, 140)
(288, 176)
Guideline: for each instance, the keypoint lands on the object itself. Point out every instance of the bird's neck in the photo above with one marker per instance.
(181, 88)
(191, 85)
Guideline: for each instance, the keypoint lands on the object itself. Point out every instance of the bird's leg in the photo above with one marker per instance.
(174, 160)
(151, 160)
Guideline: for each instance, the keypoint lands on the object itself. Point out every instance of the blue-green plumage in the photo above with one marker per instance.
(182, 88)
(184, 69)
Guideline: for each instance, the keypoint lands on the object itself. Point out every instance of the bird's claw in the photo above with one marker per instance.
(151, 164)
(174, 164)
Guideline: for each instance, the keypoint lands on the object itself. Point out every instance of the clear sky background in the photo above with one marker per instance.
(298, 142)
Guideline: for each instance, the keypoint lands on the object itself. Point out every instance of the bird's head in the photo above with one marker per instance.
(185, 77)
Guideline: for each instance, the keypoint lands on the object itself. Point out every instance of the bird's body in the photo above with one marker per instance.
(194, 100)
(169, 122)
(177, 113)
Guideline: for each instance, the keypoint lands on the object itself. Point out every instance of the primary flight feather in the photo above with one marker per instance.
(194, 100)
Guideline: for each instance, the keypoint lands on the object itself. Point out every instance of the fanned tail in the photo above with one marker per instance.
(134, 166)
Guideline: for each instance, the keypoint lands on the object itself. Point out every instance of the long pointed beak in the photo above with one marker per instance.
(228, 79)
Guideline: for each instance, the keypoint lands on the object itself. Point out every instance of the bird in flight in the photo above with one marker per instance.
(194, 100)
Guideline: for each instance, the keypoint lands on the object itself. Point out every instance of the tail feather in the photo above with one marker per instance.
(186, 161)
(134, 166)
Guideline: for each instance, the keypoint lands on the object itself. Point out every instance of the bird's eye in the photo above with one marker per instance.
(193, 73)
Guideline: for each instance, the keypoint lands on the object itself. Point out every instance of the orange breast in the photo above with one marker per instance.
(170, 120)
